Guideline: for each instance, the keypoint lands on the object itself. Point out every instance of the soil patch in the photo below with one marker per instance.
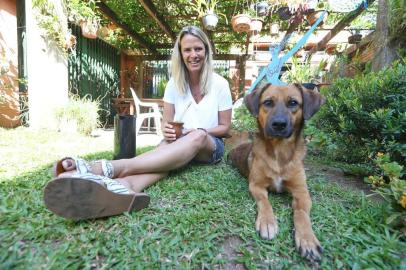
(337, 175)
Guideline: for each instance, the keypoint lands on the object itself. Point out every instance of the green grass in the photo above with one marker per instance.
(199, 218)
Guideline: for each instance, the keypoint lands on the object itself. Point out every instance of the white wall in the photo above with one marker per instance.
(47, 73)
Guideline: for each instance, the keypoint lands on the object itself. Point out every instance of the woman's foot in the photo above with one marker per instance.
(88, 196)
(68, 166)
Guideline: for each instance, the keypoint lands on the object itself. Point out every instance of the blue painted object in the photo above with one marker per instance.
(274, 68)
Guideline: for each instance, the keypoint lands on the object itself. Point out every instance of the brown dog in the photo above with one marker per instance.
(274, 160)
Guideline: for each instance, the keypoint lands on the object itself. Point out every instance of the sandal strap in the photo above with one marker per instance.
(109, 184)
(82, 166)
(107, 168)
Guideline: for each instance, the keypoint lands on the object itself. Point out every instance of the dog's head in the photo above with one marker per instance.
(280, 110)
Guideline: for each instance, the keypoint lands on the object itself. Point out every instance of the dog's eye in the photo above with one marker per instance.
(268, 103)
(292, 103)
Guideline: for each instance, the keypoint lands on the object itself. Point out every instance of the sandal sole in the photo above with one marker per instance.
(77, 198)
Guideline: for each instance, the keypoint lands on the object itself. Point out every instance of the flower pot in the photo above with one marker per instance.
(309, 46)
(255, 26)
(261, 8)
(331, 49)
(314, 16)
(274, 29)
(70, 41)
(103, 32)
(210, 21)
(241, 22)
(89, 29)
(284, 13)
(355, 39)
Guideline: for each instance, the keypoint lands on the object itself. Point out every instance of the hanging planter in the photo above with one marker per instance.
(210, 20)
(314, 16)
(274, 29)
(241, 23)
(70, 41)
(255, 26)
(355, 39)
(261, 8)
(89, 29)
(284, 13)
(331, 49)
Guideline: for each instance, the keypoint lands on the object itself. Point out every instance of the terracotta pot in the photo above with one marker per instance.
(354, 39)
(309, 46)
(255, 26)
(313, 16)
(178, 126)
(70, 41)
(241, 23)
(210, 21)
(89, 29)
(331, 49)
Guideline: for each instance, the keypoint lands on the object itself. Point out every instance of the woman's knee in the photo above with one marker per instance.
(198, 138)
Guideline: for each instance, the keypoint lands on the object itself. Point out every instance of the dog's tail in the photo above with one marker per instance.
(238, 157)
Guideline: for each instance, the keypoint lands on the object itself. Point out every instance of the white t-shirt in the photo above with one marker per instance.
(205, 113)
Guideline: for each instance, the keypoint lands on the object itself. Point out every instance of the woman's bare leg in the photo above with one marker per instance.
(139, 182)
(166, 157)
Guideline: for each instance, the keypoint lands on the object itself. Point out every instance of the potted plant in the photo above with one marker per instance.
(206, 10)
(255, 26)
(284, 13)
(241, 22)
(84, 14)
(261, 8)
(331, 49)
(355, 38)
(274, 29)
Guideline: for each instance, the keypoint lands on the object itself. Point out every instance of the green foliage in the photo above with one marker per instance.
(300, 72)
(49, 20)
(80, 10)
(397, 18)
(161, 88)
(199, 217)
(243, 120)
(389, 183)
(366, 115)
(82, 113)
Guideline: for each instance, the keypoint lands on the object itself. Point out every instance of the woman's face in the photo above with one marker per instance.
(193, 53)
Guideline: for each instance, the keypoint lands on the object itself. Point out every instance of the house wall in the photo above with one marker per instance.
(47, 72)
(9, 97)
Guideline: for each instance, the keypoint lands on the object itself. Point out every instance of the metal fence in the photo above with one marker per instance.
(156, 75)
(94, 69)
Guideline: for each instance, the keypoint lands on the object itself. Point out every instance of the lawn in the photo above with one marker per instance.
(199, 218)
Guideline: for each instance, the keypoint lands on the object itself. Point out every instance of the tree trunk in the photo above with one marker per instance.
(386, 47)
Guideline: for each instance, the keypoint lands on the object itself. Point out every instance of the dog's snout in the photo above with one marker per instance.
(279, 124)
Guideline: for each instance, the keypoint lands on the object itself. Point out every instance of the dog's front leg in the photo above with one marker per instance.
(306, 241)
(266, 223)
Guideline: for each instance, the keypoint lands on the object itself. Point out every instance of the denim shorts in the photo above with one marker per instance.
(217, 153)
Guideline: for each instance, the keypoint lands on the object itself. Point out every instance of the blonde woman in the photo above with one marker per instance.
(194, 93)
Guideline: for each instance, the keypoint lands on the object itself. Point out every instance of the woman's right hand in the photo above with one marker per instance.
(169, 133)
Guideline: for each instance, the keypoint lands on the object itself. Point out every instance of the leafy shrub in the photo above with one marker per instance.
(243, 120)
(389, 184)
(83, 112)
(366, 115)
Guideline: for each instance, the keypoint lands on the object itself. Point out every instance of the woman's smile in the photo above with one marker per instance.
(193, 53)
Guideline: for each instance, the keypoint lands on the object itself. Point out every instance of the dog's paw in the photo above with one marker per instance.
(266, 226)
(308, 245)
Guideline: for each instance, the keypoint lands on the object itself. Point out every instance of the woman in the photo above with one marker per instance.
(195, 94)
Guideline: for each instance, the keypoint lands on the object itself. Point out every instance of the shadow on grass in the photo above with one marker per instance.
(199, 217)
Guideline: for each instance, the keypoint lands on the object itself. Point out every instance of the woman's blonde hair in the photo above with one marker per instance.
(179, 71)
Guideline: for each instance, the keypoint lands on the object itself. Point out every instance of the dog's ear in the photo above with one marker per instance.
(252, 100)
(312, 101)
